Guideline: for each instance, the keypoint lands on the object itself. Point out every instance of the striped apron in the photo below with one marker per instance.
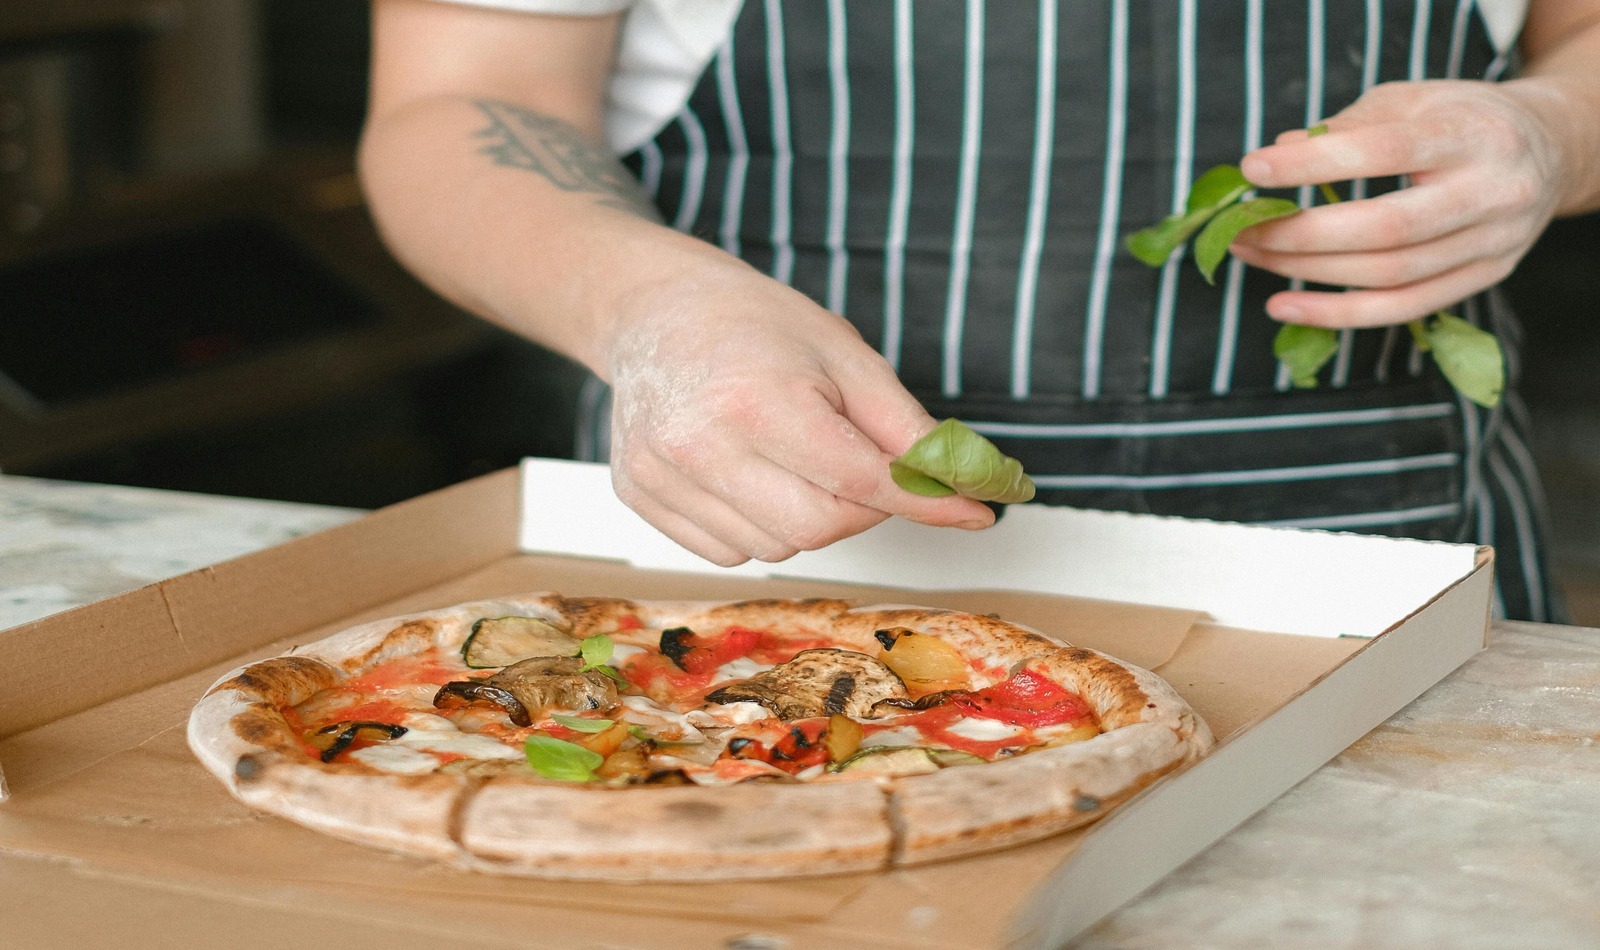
(955, 177)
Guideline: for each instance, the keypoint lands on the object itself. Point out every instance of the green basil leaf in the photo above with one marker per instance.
(1318, 129)
(580, 724)
(559, 759)
(1213, 191)
(638, 733)
(1216, 189)
(1304, 350)
(956, 459)
(917, 483)
(1469, 357)
(596, 650)
(1212, 244)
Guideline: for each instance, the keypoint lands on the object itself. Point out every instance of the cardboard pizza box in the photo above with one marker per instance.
(1292, 644)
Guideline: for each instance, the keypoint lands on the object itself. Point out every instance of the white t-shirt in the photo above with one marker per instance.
(666, 45)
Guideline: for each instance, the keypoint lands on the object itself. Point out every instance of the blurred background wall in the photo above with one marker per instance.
(192, 295)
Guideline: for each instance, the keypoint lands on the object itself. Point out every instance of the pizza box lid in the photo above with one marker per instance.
(110, 818)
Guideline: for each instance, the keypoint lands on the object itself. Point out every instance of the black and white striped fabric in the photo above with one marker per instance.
(956, 177)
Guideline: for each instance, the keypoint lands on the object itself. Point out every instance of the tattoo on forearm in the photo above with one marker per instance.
(559, 153)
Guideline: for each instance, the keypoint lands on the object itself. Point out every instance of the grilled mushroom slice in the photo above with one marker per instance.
(819, 682)
(334, 738)
(525, 688)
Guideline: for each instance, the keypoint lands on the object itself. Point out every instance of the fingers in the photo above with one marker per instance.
(1388, 267)
(844, 463)
(1370, 151)
(731, 532)
(1384, 307)
(1429, 211)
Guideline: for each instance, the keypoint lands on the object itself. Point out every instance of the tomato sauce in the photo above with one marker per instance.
(772, 649)
(659, 678)
(934, 726)
(431, 667)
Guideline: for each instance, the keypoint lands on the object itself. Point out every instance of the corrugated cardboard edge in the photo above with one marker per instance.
(1177, 819)
(169, 629)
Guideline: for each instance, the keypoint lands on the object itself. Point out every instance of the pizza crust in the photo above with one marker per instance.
(749, 830)
(752, 830)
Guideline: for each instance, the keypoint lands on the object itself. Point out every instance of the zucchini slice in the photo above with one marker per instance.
(889, 760)
(501, 641)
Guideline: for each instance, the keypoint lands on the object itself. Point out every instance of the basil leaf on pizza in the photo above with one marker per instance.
(690, 740)
(562, 760)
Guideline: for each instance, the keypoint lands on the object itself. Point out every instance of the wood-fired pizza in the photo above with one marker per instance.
(609, 739)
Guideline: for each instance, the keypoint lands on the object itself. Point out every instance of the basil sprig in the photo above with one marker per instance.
(1470, 358)
(560, 759)
(596, 652)
(954, 460)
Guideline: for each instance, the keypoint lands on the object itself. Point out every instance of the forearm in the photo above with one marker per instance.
(1561, 84)
(520, 217)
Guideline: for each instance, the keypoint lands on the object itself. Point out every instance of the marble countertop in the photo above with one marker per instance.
(1469, 820)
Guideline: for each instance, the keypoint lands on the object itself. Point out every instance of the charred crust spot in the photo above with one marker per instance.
(1086, 803)
(253, 729)
(886, 637)
(586, 614)
(695, 810)
(736, 746)
(838, 695)
(248, 768)
(1111, 679)
(283, 679)
(263, 726)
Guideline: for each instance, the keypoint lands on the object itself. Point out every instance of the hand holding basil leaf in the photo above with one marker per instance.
(1470, 358)
(559, 759)
(954, 460)
(1212, 244)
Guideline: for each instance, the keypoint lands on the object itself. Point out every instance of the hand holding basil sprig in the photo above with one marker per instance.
(1219, 212)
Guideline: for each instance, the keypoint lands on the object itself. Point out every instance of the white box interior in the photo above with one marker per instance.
(1277, 580)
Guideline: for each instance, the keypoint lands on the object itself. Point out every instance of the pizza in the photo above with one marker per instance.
(592, 738)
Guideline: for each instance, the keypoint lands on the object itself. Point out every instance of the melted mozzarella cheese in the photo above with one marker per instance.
(621, 651)
(425, 731)
(729, 714)
(395, 759)
(740, 669)
(663, 723)
(898, 735)
(985, 730)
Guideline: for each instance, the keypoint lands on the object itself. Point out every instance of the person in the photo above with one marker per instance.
(835, 221)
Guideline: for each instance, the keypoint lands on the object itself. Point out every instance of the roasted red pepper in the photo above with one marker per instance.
(697, 654)
(1026, 699)
(799, 748)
